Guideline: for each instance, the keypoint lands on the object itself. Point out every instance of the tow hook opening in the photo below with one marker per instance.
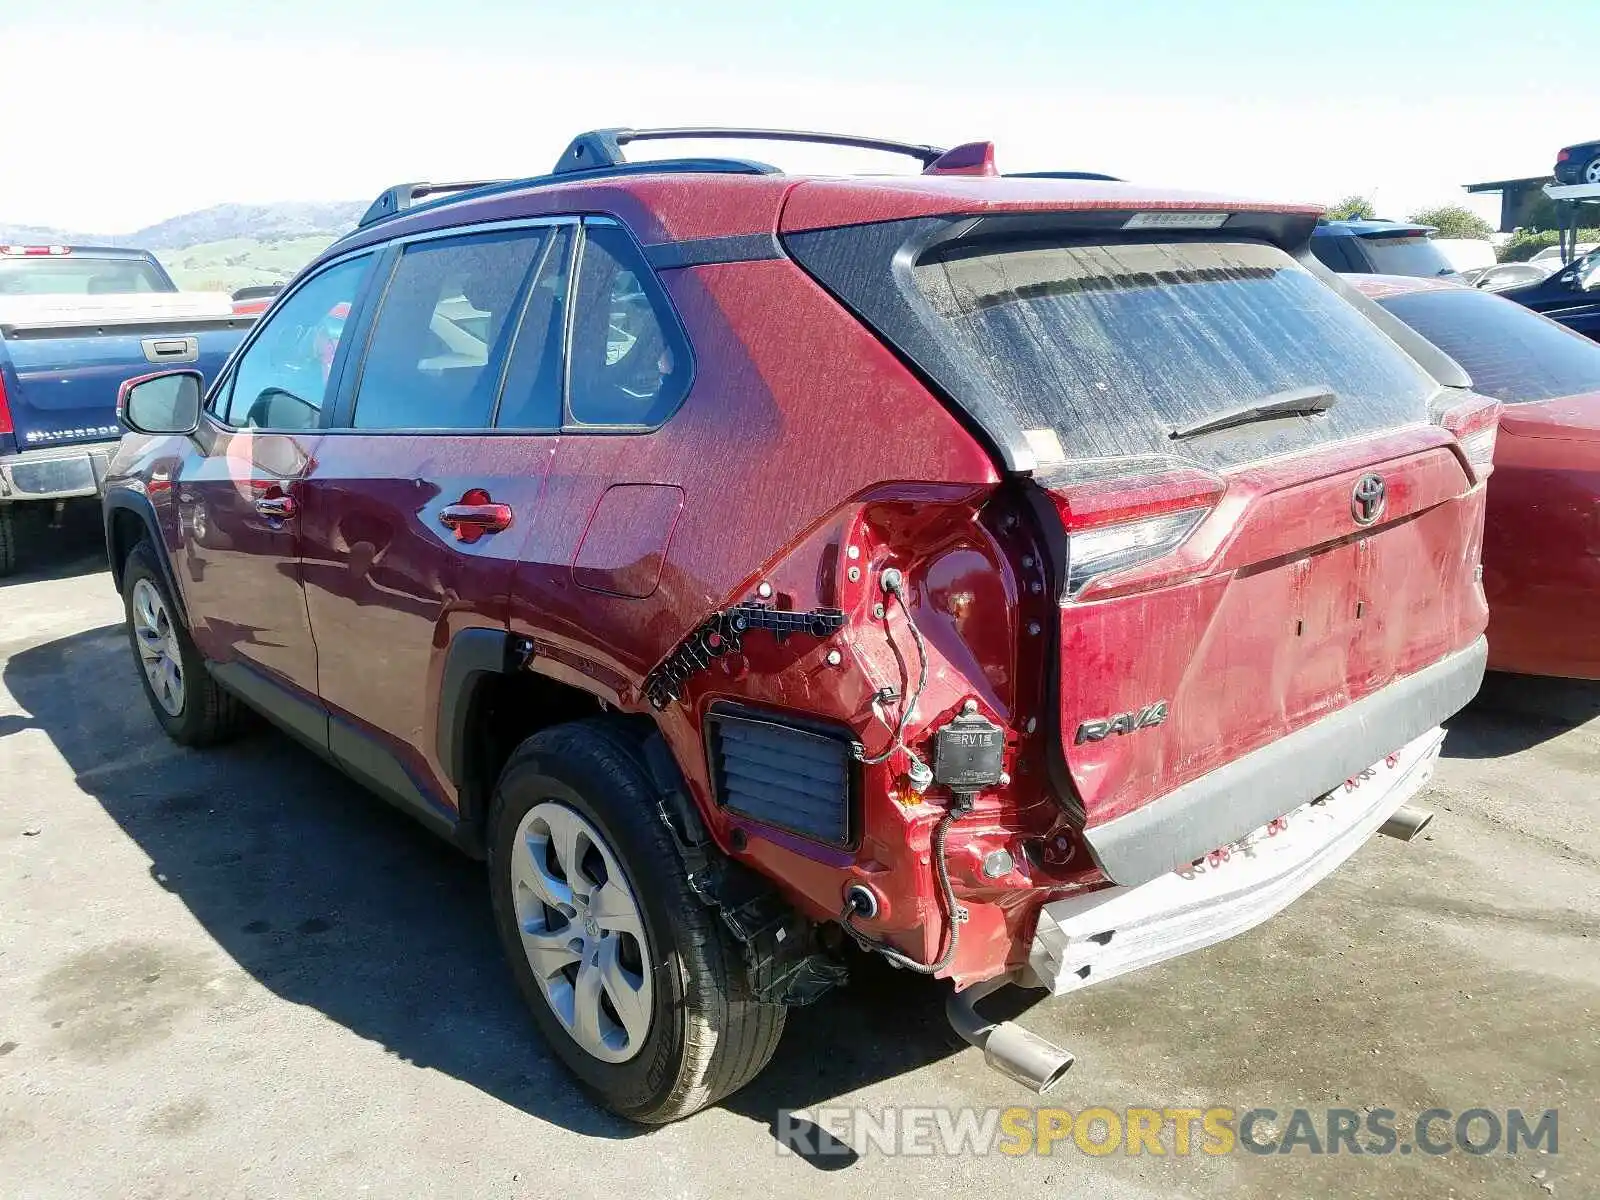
(1033, 1061)
(1406, 822)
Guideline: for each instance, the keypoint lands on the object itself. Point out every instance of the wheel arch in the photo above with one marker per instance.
(493, 695)
(130, 519)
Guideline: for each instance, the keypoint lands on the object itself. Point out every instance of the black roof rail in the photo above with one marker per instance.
(403, 195)
(1064, 175)
(603, 147)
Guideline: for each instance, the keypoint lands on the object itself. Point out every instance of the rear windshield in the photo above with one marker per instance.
(1511, 352)
(1406, 256)
(67, 275)
(1107, 349)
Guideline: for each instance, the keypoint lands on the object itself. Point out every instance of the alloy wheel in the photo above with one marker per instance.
(158, 647)
(1591, 173)
(583, 931)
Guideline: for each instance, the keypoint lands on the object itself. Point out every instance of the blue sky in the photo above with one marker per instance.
(177, 104)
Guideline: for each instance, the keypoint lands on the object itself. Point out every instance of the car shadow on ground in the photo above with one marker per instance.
(1517, 712)
(334, 901)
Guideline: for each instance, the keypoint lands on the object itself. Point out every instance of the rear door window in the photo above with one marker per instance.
(440, 336)
(1511, 352)
(1106, 350)
(530, 397)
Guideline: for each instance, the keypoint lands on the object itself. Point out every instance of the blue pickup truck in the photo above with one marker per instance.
(75, 322)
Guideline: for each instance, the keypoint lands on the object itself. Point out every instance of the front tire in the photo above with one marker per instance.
(631, 979)
(188, 704)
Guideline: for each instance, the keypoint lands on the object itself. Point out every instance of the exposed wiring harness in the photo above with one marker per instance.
(893, 582)
(955, 913)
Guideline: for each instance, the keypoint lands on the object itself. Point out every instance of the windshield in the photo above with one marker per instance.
(1111, 348)
(1406, 256)
(74, 275)
(1511, 352)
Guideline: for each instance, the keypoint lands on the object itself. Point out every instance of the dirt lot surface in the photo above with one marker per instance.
(234, 974)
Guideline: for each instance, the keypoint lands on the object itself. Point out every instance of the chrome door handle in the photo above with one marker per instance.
(474, 515)
(276, 508)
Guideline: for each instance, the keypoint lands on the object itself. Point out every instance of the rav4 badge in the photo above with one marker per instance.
(1127, 722)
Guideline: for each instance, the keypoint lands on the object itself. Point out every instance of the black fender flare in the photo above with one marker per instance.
(472, 654)
(479, 652)
(123, 500)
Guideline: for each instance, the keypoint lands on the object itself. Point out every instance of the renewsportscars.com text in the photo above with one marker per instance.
(1174, 1131)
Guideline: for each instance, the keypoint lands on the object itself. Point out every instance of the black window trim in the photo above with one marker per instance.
(222, 385)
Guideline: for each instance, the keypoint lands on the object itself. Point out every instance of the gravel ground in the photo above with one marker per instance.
(232, 974)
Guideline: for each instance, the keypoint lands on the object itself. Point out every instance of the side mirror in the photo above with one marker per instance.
(166, 402)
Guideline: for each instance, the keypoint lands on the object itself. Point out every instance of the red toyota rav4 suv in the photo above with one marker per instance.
(1025, 579)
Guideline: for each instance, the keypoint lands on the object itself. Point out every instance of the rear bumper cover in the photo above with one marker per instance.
(1096, 936)
(1221, 806)
(56, 473)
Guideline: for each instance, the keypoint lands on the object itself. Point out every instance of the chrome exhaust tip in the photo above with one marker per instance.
(1016, 1053)
(1406, 822)
(1032, 1061)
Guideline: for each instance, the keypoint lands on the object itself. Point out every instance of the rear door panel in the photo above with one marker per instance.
(388, 586)
(388, 583)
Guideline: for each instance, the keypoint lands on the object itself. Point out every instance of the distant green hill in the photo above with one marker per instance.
(241, 261)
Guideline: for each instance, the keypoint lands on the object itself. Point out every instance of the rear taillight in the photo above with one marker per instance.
(1096, 552)
(5, 408)
(1114, 524)
(1563, 155)
(1476, 424)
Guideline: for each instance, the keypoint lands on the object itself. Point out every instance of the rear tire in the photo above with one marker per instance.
(188, 704)
(1591, 172)
(16, 528)
(689, 1033)
(8, 540)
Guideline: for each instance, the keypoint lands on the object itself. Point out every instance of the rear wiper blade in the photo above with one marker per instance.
(1294, 402)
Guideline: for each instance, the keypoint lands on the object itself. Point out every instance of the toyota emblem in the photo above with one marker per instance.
(1368, 498)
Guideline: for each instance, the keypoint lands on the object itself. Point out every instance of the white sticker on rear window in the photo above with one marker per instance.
(1175, 220)
(1046, 446)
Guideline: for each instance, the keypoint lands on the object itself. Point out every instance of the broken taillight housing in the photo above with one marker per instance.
(1113, 524)
(1095, 552)
(1476, 424)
